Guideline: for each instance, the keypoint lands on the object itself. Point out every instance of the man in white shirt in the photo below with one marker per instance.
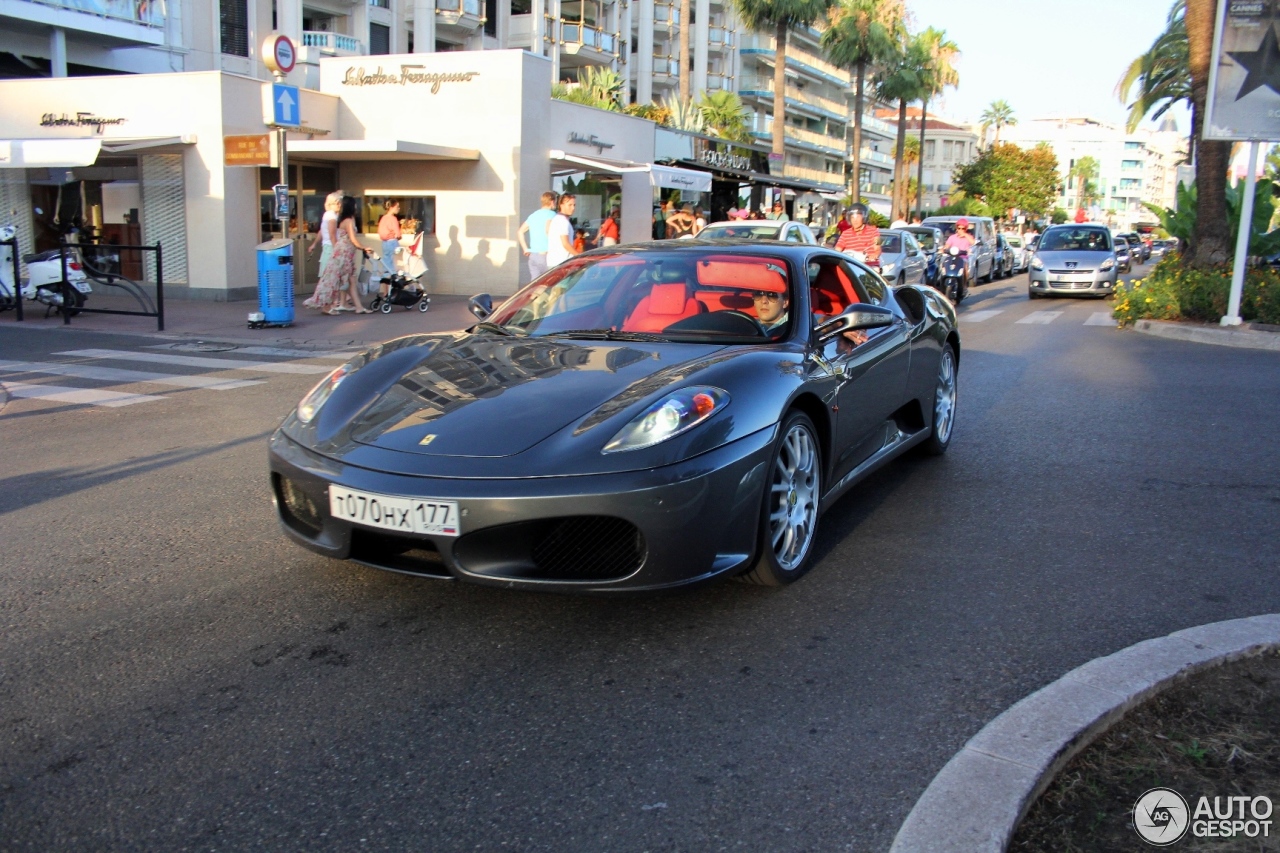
(560, 232)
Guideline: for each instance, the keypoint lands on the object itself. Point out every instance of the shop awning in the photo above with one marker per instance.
(75, 153)
(670, 177)
(377, 149)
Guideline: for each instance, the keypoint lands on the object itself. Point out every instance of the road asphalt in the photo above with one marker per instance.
(173, 674)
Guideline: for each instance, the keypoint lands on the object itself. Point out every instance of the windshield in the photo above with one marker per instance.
(924, 237)
(703, 297)
(949, 227)
(1075, 240)
(891, 243)
(745, 231)
(1015, 242)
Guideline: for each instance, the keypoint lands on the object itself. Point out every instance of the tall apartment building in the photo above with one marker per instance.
(947, 147)
(1132, 167)
(637, 38)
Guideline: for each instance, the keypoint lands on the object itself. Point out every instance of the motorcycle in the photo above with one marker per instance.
(44, 277)
(954, 282)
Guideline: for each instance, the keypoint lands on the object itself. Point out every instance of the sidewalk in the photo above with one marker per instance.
(228, 321)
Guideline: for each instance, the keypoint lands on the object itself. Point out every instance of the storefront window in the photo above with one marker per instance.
(417, 212)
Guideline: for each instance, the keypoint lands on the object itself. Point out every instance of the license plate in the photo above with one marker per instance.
(82, 286)
(397, 514)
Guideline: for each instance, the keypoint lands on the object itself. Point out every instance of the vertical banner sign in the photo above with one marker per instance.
(1244, 75)
(282, 200)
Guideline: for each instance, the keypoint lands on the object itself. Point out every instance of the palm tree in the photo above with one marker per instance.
(939, 73)
(685, 83)
(724, 115)
(1162, 75)
(862, 34)
(779, 16)
(999, 115)
(902, 80)
(1211, 243)
(1084, 171)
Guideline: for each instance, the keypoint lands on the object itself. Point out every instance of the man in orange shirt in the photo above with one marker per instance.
(861, 236)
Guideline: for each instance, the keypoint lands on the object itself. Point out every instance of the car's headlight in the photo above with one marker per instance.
(317, 396)
(675, 413)
(1037, 264)
(1107, 264)
(887, 269)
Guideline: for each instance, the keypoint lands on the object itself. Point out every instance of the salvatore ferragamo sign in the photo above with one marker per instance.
(79, 120)
(409, 74)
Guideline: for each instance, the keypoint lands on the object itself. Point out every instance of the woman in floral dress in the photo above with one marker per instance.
(338, 278)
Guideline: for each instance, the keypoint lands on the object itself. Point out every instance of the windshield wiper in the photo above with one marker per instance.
(486, 326)
(606, 335)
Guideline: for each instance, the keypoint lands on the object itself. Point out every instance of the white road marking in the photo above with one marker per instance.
(979, 316)
(1041, 318)
(113, 374)
(276, 351)
(1100, 318)
(195, 361)
(84, 396)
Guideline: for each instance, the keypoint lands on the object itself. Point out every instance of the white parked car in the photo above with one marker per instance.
(783, 230)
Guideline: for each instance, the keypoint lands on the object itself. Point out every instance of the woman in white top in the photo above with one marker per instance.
(328, 232)
(560, 232)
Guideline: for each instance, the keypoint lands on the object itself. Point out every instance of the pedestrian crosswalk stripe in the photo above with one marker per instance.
(1041, 318)
(1100, 318)
(979, 316)
(276, 351)
(113, 374)
(64, 394)
(194, 361)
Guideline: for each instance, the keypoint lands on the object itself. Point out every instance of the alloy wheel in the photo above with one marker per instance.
(793, 497)
(944, 404)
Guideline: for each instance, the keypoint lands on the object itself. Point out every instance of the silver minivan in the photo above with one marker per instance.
(1073, 260)
(982, 258)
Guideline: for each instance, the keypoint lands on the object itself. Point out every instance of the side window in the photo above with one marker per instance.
(869, 286)
(793, 234)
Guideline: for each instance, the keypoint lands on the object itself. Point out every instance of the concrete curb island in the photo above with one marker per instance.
(1225, 336)
(976, 802)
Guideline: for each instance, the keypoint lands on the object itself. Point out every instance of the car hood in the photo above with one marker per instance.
(492, 396)
(1082, 260)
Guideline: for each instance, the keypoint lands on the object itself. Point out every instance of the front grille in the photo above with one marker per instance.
(1072, 272)
(573, 549)
(398, 553)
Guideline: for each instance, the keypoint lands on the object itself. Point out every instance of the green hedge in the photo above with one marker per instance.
(1175, 292)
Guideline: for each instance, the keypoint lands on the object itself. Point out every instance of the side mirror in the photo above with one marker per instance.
(854, 318)
(481, 305)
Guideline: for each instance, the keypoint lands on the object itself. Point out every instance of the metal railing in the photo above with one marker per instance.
(99, 270)
(332, 41)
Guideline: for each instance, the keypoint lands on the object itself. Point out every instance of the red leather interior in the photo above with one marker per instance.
(727, 300)
(742, 273)
(665, 304)
(832, 291)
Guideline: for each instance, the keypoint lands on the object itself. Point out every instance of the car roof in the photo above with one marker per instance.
(721, 246)
(738, 223)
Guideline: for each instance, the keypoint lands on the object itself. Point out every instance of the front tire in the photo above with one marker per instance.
(789, 515)
(944, 405)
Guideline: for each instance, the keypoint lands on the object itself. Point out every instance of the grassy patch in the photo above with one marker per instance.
(1218, 733)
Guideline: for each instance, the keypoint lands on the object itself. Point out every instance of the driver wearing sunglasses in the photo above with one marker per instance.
(771, 310)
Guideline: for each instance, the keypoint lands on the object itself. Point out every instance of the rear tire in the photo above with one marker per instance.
(789, 510)
(386, 307)
(944, 405)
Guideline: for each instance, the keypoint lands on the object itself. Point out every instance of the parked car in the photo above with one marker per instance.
(687, 411)
(1160, 248)
(1124, 254)
(1004, 258)
(901, 259)
(983, 231)
(1018, 251)
(1073, 260)
(930, 240)
(783, 230)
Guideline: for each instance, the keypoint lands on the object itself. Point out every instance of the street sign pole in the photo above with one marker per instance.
(284, 176)
(1232, 317)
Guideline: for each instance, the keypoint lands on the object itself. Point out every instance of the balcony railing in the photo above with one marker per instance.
(797, 58)
(667, 66)
(664, 13)
(815, 138)
(576, 32)
(333, 44)
(759, 83)
(148, 14)
(720, 81)
(467, 7)
(720, 37)
(816, 175)
(869, 156)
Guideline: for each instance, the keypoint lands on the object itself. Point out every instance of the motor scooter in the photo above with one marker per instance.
(44, 277)
(954, 282)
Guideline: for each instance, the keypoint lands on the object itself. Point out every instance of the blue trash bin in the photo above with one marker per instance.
(275, 281)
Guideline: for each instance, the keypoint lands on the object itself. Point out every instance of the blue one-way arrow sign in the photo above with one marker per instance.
(284, 103)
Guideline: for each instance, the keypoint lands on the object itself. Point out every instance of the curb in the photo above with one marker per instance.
(1225, 336)
(978, 799)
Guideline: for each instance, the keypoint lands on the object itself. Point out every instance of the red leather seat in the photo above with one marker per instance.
(665, 304)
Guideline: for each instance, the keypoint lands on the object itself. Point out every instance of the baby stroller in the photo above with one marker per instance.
(402, 288)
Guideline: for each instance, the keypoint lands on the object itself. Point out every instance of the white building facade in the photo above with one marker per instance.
(1133, 168)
